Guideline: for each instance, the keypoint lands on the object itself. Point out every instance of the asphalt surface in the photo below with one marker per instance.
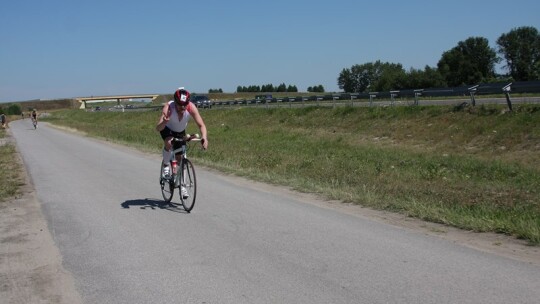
(243, 243)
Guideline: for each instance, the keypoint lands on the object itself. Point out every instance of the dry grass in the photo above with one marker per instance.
(10, 169)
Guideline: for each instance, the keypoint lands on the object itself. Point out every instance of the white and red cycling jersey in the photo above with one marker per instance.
(176, 123)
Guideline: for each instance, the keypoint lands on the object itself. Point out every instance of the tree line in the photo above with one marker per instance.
(471, 61)
(281, 88)
(11, 109)
(267, 88)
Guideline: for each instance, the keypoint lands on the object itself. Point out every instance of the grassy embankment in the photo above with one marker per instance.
(10, 180)
(476, 169)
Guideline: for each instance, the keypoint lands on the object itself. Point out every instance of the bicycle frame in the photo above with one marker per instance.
(180, 155)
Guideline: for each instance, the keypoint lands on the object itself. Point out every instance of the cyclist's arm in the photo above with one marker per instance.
(202, 127)
(163, 118)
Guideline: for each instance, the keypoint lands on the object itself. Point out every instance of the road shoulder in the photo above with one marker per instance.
(31, 268)
(493, 243)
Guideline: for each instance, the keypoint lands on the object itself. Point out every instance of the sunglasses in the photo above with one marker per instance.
(182, 105)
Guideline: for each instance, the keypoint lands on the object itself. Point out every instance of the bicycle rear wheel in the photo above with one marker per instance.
(189, 182)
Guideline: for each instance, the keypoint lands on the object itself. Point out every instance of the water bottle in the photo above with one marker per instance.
(174, 163)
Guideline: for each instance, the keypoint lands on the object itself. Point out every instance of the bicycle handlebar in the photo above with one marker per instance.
(189, 137)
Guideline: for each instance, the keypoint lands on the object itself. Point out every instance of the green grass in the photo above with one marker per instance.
(10, 169)
(477, 169)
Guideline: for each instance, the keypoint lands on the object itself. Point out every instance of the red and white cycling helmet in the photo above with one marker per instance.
(182, 96)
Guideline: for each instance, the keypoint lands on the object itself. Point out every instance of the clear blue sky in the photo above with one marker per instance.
(61, 49)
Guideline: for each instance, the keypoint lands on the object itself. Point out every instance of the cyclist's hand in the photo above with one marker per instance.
(204, 143)
(165, 118)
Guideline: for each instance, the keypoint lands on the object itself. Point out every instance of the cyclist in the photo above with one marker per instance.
(4, 120)
(173, 122)
(34, 116)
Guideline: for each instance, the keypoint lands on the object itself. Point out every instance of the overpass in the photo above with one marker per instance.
(118, 98)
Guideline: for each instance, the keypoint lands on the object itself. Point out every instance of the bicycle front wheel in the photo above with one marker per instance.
(167, 188)
(188, 185)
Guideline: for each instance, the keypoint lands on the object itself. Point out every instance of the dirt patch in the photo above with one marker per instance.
(31, 268)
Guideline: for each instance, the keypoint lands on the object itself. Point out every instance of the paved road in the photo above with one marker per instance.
(243, 242)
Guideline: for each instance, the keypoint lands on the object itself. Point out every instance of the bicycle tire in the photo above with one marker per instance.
(167, 187)
(189, 181)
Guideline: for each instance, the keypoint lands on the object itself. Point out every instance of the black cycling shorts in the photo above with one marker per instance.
(170, 133)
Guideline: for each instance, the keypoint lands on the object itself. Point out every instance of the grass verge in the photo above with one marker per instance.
(476, 168)
(10, 169)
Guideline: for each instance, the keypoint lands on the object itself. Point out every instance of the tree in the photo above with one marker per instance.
(471, 61)
(12, 109)
(521, 49)
(357, 78)
(316, 89)
(292, 88)
(372, 76)
(391, 76)
(282, 88)
(428, 78)
(267, 88)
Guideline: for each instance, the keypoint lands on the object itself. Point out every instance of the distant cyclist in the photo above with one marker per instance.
(34, 116)
(174, 120)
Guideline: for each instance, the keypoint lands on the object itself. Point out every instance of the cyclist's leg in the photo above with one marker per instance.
(167, 136)
(166, 182)
(167, 155)
(167, 149)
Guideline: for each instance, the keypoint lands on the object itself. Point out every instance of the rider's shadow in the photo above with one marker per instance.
(151, 203)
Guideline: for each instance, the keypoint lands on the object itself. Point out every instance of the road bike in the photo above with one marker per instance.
(182, 174)
(34, 122)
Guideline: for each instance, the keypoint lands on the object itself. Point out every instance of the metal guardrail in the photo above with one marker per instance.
(373, 103)
(431, 96)
(404, 97)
